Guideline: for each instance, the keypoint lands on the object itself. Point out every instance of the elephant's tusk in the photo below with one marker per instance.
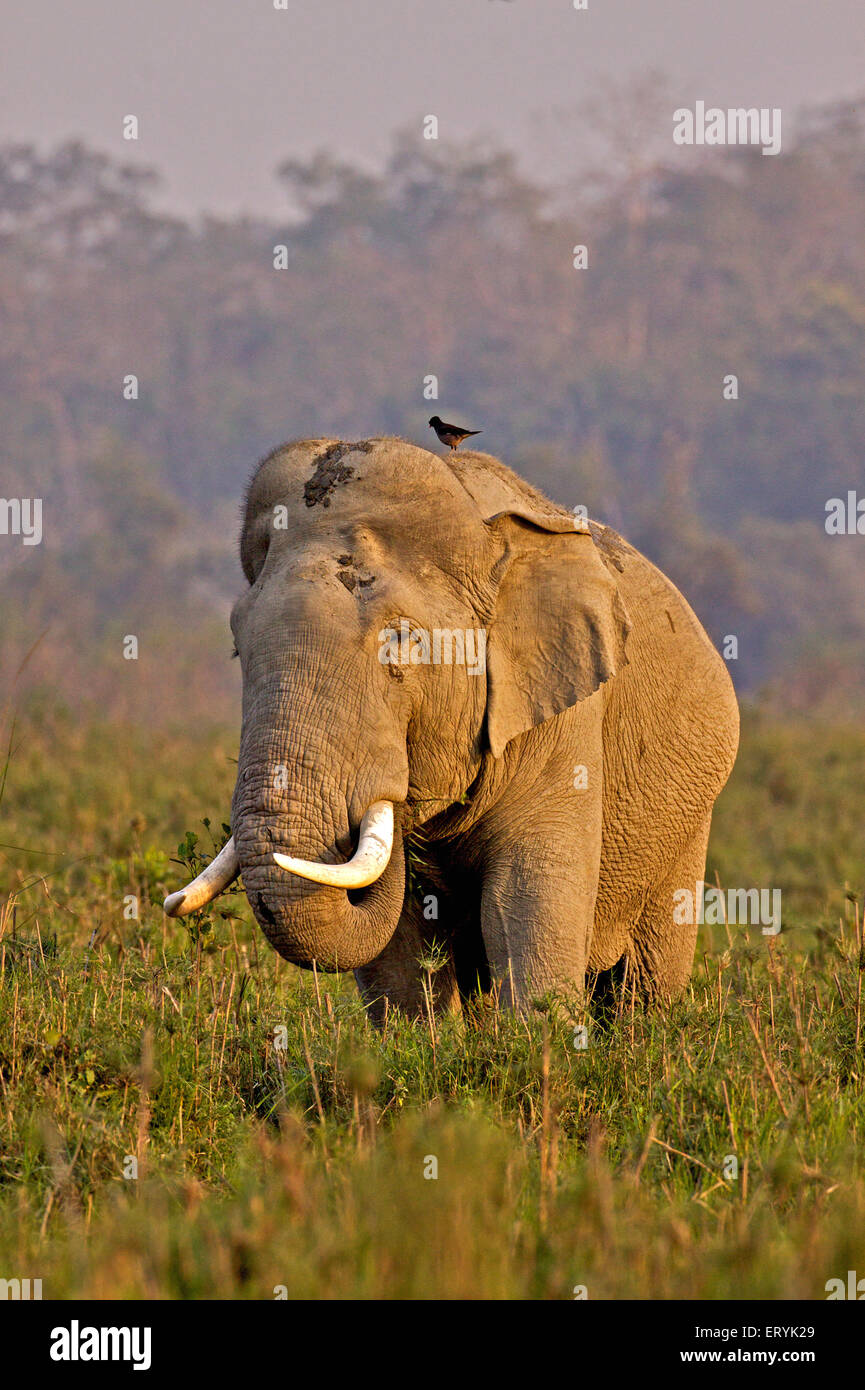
(209, 884)
(368, 862)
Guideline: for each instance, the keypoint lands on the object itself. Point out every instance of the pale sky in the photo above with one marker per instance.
(226, 89)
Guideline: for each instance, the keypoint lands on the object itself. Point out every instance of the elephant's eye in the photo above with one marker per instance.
(234, 651)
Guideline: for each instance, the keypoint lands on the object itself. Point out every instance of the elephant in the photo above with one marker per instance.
(479, 732)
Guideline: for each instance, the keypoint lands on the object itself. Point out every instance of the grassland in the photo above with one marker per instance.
(281, 1142)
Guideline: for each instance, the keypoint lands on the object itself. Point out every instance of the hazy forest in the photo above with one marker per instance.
(603, 385)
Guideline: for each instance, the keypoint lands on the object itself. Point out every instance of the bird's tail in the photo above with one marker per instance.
(468, 432)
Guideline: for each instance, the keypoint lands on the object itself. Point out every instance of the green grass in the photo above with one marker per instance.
(297, 1158)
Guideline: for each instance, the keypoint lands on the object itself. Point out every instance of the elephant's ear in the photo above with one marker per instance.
(559, 627)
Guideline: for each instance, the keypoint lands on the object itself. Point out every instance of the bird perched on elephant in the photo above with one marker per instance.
(451, 435)
(441, 665)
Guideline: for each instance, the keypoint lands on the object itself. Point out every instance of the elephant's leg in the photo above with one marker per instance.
(542, 861)
(397, 977)
(537, 911)
(661, 953)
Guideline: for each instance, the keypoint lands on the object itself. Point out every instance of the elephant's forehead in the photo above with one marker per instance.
(326, 485)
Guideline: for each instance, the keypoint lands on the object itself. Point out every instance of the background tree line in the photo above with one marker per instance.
(603, 385)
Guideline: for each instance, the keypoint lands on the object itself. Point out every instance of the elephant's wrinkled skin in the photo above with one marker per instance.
(594, 662)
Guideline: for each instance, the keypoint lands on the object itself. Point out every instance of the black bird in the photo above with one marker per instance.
(451, 435)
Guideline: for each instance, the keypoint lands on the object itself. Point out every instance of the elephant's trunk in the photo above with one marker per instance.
(321, 769)
(313, 923)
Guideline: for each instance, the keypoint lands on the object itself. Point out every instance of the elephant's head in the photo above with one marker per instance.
(405, 619)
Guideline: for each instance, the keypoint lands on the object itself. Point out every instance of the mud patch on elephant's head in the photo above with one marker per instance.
(330, 471)
(351, 575)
